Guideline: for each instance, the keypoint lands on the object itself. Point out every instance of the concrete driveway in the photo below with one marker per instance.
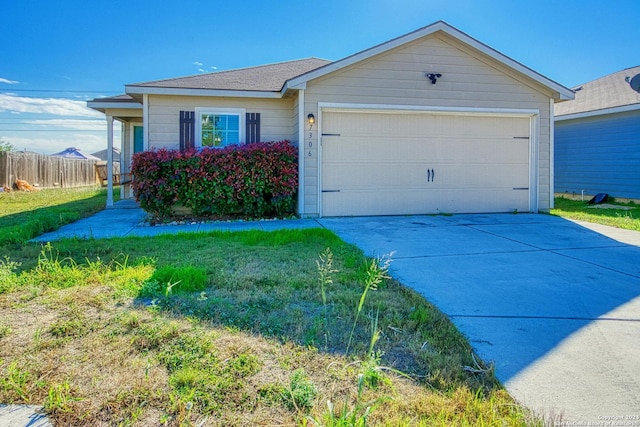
(553, 304)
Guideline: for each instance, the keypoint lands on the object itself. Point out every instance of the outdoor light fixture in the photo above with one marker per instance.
(311, 118)
(433, 77)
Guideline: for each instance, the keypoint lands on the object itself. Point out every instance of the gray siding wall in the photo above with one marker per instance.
(276, 116)
(397, 77)
(599, 154)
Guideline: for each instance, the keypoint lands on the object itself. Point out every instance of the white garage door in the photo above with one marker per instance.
(388, 163)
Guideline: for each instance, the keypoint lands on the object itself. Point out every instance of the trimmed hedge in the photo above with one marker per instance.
(252, 180)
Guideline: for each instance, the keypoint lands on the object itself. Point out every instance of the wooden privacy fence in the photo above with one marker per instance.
(45, 171)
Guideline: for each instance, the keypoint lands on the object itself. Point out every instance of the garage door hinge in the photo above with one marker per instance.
(521, 137)
(520, 188)
(330, 191)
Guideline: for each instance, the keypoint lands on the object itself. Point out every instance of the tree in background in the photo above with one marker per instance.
(6, 146)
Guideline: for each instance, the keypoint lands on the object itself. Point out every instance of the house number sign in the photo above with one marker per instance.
(310, 142)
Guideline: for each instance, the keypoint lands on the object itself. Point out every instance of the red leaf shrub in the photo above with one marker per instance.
(254, 180)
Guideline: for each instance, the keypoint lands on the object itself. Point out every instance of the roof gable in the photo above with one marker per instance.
(560, 92)
(275, 80)
(602, 95)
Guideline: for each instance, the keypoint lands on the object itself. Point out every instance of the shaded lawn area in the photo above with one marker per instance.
(231, 329)
(25, 215)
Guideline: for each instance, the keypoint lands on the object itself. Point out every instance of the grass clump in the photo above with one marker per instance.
(301, 393)
(8, 280)
(168, 280)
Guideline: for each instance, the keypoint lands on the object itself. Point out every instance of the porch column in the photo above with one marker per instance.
(109, 161)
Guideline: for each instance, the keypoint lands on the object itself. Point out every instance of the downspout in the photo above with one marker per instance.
(109, 161)
(552, 150)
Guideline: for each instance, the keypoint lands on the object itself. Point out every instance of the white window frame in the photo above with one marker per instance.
(240, 112)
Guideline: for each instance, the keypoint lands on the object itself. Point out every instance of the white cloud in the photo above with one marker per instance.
(214, 67)
(9, 82)
(198, 64)
(89, 143)
(55, 106)
(76, 124)
(201, 70)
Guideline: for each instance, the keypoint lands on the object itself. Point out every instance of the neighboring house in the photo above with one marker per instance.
(430, 122)
(102, 154)
(74, 153)
(597, 138)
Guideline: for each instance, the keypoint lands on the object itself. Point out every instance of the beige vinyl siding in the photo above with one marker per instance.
(276, 116)
(397, 77)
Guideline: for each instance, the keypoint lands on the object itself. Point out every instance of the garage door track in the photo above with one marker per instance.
(553, 304)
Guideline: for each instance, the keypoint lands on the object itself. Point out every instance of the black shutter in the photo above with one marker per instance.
(253, 127)
(187, 129)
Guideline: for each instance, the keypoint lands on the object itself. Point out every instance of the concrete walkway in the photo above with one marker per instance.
(23, 416)
(127, 219)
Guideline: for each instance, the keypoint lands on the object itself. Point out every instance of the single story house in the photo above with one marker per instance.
(430, 122)
(597, 138)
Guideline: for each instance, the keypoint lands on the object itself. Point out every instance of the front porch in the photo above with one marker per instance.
(129, 113)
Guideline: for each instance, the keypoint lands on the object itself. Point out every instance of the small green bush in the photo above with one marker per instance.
(253, 180)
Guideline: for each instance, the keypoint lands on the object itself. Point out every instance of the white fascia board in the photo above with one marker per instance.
(563, 92)
(101, 106)
(328, 106)
(602, 112)
(201, 92)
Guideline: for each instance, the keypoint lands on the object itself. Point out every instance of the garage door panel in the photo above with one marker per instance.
(407, 202)
(392, 164)
(348, 150)
(363, 176)
(420, 124)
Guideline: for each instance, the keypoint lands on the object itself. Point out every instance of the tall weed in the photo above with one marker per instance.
(325, 278)
(376, 273)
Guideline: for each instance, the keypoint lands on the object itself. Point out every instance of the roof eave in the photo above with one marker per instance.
(102, 106)
(601, 112)
(151, 90)
(559, 92)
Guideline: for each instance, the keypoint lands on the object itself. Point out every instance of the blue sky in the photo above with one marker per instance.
(54, 55)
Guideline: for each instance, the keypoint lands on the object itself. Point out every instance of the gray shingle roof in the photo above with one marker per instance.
(606, 92)
(270, 77)
(118, 98)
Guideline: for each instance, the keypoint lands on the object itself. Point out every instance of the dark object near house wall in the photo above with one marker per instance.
(598, 198)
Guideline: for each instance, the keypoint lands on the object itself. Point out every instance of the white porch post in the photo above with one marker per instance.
(109, 161)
